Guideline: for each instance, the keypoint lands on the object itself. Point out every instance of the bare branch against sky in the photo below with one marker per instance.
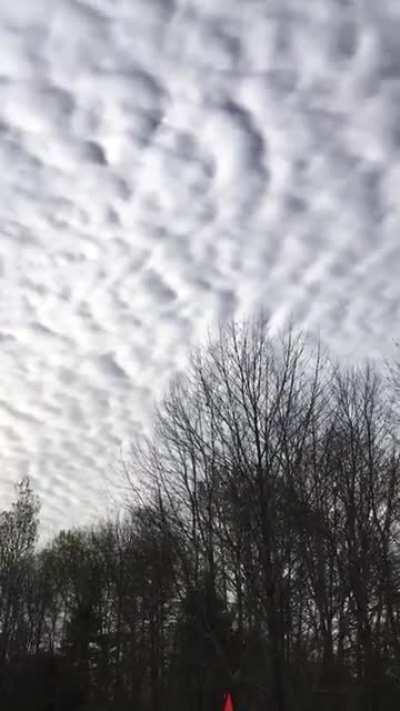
(168, 163)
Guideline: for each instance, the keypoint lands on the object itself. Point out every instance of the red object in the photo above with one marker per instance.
(228, 703)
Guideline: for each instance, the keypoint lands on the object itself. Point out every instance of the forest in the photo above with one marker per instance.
(258, 551)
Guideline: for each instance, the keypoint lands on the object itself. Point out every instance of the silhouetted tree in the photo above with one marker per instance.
(260, 551)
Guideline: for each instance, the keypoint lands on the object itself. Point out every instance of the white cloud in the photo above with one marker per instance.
(166, 163)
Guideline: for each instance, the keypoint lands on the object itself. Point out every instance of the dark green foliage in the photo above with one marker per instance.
(199, 673)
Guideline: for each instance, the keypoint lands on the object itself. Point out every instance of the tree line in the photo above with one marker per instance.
(259, 552)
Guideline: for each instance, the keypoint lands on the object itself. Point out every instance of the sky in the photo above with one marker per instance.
(165, 164)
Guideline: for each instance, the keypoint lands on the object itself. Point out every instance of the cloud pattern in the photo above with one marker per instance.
(164, 163)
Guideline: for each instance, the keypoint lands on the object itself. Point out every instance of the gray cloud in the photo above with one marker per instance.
(165, 164)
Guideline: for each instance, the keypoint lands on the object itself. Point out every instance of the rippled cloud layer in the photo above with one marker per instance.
(166, 163)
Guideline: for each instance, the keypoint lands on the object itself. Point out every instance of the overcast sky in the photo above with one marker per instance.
(164, 163)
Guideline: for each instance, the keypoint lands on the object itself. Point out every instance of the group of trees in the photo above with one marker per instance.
(259, 554)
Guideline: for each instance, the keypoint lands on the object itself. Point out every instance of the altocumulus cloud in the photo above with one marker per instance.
(165, 163)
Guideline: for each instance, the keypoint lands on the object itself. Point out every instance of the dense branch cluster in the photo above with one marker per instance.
(260, 552)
